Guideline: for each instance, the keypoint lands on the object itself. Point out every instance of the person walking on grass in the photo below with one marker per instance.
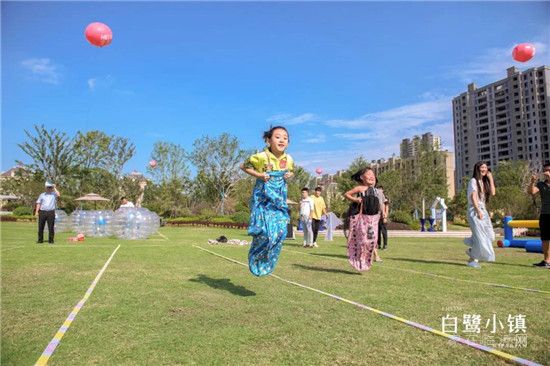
(45, 210)
(319, 209)
(382, 229)
(306, 210)
(480, 189)
(542, 187)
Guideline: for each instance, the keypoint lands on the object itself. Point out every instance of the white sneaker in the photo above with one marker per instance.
(315, 245)
(474, 264)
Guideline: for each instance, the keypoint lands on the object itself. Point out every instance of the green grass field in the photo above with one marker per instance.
(163, 301)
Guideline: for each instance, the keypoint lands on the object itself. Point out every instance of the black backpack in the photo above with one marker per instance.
(371, 206)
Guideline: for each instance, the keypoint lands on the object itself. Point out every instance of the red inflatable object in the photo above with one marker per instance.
(153, 163)
(319, 171)
(523, 52)
(98, 34)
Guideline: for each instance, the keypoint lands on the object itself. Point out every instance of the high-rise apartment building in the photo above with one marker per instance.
(504, 120)
(411, 147)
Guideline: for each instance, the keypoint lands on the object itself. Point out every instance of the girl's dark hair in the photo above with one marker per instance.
(477, 175)
(268, 134)
(357, 176)
(305, 189)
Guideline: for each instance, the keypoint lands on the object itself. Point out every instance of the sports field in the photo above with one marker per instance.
(166, 301)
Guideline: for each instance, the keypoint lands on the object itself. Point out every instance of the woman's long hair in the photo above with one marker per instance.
(485, 180)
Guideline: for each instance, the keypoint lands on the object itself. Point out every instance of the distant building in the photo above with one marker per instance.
(135, 175)
(411, 152)
(504, 120)
(13, 172)
(411, 147)
(410, 165)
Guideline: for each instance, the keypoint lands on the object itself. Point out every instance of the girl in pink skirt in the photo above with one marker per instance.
(364, 213)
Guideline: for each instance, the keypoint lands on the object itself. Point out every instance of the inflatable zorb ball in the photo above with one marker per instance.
(100, 223)
(96, 223)
(77, 218)
(135, 223)
(62, 222)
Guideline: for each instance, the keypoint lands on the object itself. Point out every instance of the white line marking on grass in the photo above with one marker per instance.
(466, 342)
(11, 248)
(50, 348)
(75, 246)
(431, 274)
(163, 236)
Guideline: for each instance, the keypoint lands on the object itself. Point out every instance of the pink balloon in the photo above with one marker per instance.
(319, 171)
(523, 52)
(153, 163)
(98, 34)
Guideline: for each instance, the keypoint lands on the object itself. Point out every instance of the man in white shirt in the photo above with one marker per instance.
(45, 210)
(306, 209)
(125, 203)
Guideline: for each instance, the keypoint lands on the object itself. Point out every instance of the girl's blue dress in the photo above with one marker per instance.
(268, 223)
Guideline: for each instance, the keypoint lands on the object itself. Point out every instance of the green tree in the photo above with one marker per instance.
(300, 180)
(511, 181)
(429, 179)
(51, 152)
(345, 183)
(121, 150)
(217, 161)
(92, 149)
(172, 176)
(26, 185)
(392, 182)
(241, 193)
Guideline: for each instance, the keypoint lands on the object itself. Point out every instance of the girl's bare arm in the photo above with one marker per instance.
(349, 195)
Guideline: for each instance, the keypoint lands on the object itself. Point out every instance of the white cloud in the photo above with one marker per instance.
(42, 69)
(404, 117)
(321, 138)
(378, 135)
(106, 83)
(329, 160)
(92, 84)
(290, 119)
(491, 65)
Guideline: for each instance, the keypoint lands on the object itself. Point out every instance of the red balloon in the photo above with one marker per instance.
(153, 163)
(523, 52)
(98, 34)
(319, 171)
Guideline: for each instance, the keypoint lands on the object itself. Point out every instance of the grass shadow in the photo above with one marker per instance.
(329, 270)
(509, 264)
(223, 284)
(330, 255)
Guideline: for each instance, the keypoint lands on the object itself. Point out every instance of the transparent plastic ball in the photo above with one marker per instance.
(135, 223)
(94, 223)
(63, 222)
(77, 219)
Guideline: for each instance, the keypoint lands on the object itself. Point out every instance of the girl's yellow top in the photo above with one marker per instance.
(265, 161)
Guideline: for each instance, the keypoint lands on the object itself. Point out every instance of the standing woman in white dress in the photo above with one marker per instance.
(480, 188)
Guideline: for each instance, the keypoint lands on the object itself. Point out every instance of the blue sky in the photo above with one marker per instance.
(347, 79)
